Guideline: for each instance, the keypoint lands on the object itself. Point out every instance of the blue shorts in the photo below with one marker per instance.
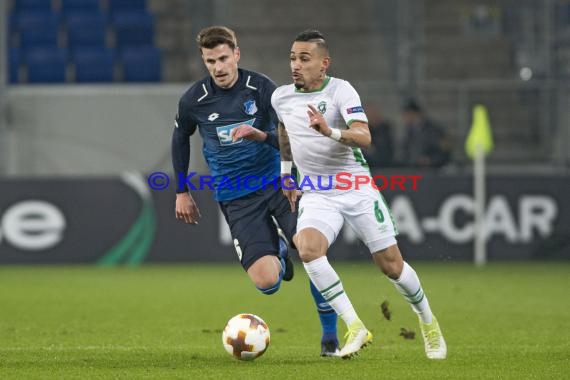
(251, 224)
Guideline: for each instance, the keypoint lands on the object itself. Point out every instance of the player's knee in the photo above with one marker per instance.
(268, 286)
(310, 252)
(311, 245)
(267, 283)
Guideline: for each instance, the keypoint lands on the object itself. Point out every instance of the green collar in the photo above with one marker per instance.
(325, 82)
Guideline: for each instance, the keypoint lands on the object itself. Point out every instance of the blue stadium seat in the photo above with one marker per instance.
(80, 5)
(133, 29)
(37, 28)
(563, 13)
(35, 5)
(46, 65)
(86, 29)
(12, 21)
(126, 5)
(141, 64)
(14, 62)
(34, 19)
(94, 65)
(12, 29)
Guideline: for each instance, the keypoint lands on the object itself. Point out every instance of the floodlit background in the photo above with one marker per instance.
(88, 95)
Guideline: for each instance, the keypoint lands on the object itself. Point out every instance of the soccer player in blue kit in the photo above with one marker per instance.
(232, 110)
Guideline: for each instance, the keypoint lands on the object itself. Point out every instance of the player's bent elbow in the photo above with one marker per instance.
(365, 142)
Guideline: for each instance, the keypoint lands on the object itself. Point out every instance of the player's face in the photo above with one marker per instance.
(308, 65)
(222, 63)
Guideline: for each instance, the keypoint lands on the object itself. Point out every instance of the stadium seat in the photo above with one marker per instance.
(563, 13)
(126, 5)
(94, 65)
(35, 18)
(80, 5)
(46, 65)
(32, 5)
(12, 29)
(141, 64)
(133, 29)
(37, 28)
(14, 61)
(86, 29)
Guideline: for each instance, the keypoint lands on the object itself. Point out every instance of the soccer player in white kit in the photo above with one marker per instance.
(322, 128)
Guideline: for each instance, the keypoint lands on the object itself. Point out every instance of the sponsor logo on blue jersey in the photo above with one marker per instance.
(355, 109)
(250, 107)
(225, 132)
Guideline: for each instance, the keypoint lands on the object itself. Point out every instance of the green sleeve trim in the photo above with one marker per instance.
(353, 120)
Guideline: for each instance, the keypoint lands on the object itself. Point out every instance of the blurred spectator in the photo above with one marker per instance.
(483, 19)
(381, 152)
(425, 143)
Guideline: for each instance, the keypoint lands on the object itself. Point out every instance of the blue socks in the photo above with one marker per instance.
(283, 249)
(327, 315)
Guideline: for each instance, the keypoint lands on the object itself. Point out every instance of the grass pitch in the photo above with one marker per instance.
(505, 321)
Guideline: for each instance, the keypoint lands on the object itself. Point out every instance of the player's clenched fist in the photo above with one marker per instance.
(186, 209)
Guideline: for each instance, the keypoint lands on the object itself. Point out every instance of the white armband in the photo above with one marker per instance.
(335, 134)
(286, 166)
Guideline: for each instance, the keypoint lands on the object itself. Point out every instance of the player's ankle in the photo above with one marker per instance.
(329, 337)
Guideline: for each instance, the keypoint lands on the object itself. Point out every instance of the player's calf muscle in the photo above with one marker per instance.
(390, 261)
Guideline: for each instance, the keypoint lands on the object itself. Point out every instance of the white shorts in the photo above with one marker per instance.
(365, 210)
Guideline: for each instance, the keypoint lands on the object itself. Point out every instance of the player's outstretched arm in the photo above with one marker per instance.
(186, 208)
(289, 185)
(284, 144)
(357, 134)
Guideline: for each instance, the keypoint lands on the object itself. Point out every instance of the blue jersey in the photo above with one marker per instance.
(238, 168)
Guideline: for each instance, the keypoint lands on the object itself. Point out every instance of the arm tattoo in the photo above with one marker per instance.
(284, 144)
(358, 136)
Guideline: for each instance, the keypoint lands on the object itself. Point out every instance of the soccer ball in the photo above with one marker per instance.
(246, 337)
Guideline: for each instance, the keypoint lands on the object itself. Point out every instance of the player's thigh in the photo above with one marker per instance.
(321, 213)
(370, 218)
(252, 228)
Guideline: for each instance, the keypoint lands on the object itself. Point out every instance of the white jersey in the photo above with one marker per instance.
(316, 156)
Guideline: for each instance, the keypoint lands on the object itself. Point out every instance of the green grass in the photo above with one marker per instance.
(506, 321)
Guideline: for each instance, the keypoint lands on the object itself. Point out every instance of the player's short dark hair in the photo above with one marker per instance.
(313, 35)
(212, 36)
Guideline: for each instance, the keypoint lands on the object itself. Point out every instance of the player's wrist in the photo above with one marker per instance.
(336, 134)
(286, 167)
